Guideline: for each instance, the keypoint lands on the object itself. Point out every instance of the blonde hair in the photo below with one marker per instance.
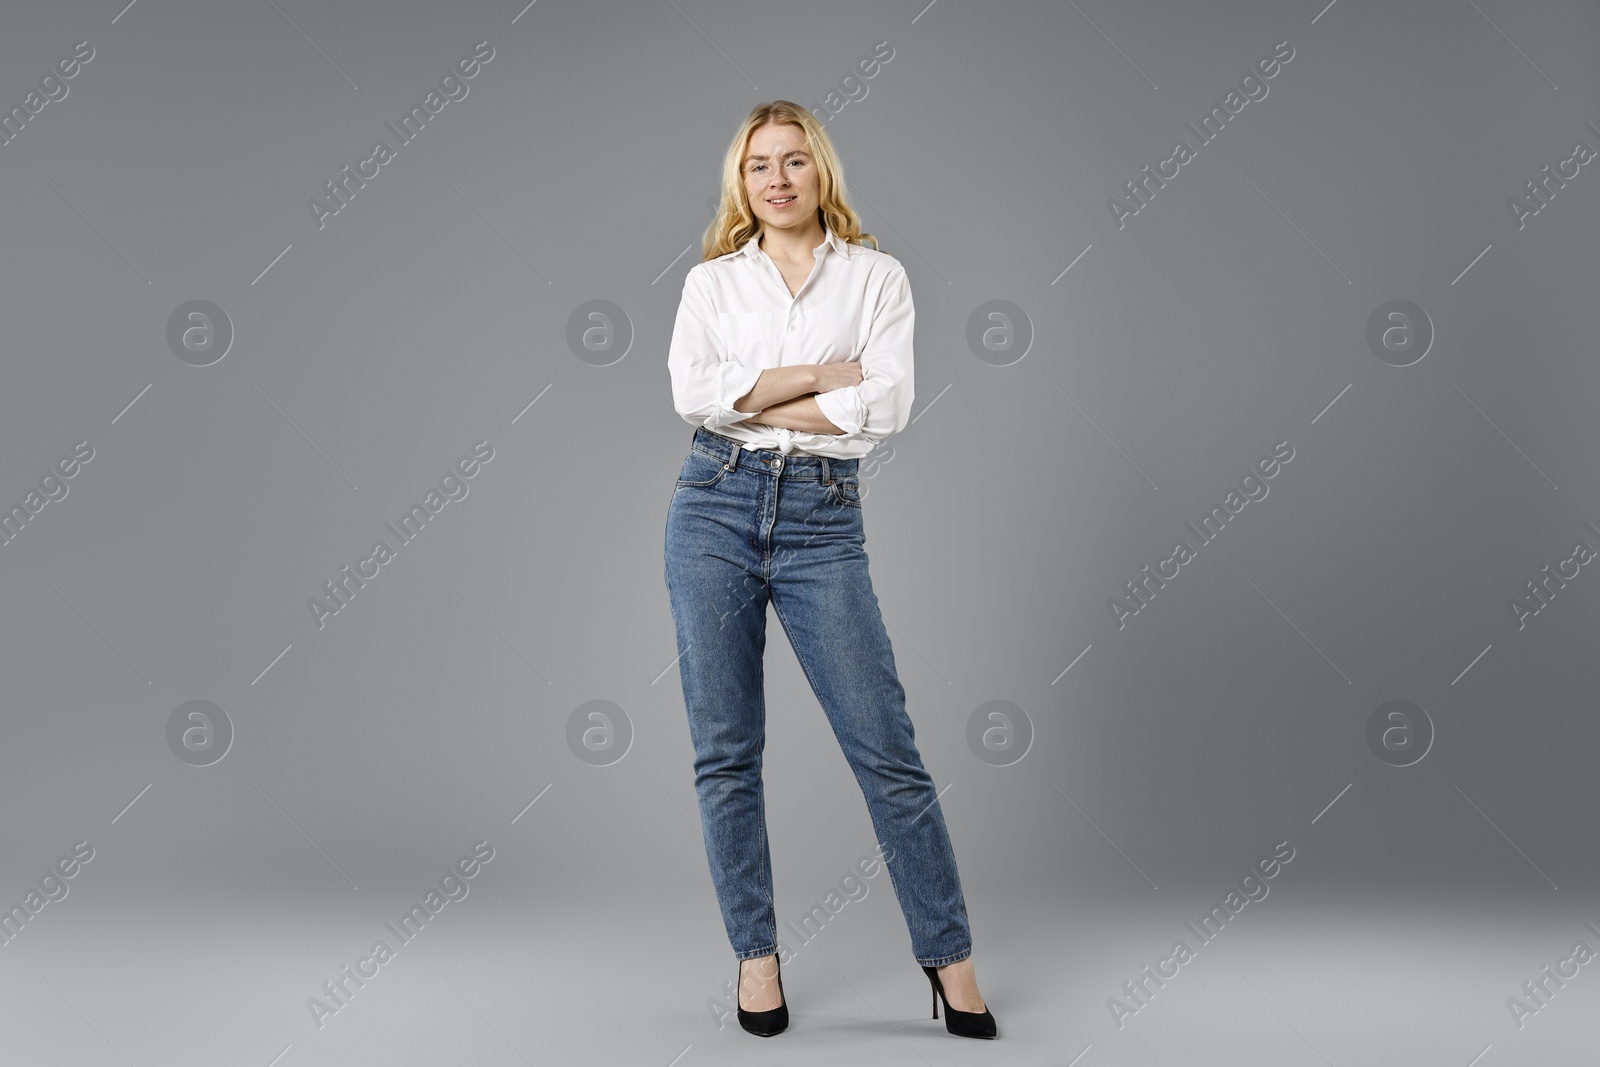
(734, 224)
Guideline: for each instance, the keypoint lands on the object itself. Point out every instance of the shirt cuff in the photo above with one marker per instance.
(844, 408)
(733, 380)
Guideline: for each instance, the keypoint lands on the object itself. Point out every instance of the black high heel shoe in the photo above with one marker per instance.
(764, 1023)
(960, 1023)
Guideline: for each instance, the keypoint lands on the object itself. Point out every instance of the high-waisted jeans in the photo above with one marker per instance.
(746, 527)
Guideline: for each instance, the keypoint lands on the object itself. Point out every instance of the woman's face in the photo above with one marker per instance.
(778, 164)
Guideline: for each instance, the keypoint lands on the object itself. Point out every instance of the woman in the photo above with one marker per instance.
(791, 355)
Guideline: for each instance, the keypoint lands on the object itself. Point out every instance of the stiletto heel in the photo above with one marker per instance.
(960, 1023)
(763, 1023)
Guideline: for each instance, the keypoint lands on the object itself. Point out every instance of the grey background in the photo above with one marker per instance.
(1228, 315)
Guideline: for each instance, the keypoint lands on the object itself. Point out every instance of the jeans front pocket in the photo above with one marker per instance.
(846, 491)
(701, 471)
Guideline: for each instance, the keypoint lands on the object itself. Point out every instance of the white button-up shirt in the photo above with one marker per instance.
(737, 318)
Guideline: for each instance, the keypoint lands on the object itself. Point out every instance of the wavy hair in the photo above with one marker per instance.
(735, 224)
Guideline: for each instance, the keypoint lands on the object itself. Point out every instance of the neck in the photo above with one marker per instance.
(792, 244)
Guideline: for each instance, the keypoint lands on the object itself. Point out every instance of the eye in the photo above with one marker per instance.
(756, 168)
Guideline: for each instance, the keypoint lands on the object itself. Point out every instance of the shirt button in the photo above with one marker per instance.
(792, 327)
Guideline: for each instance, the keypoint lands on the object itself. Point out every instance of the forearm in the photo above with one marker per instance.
(800, 413)
(777, 385)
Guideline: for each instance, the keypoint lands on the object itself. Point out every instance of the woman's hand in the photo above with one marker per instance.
(831, 376)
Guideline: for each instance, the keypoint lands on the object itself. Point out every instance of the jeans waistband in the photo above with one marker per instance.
(735, 454)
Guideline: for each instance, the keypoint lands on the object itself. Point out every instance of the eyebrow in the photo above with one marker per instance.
(795, 152)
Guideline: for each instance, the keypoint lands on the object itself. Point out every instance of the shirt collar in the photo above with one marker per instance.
(833, 240)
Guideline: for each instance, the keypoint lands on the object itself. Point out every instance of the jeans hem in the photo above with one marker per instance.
(941, 961)
(756, 953)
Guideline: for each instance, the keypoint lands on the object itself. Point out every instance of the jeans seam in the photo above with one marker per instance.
(798, 654)
(762, 847)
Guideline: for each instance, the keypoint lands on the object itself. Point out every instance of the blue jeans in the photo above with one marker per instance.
(745, 528)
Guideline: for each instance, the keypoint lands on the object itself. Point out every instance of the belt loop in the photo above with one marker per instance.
(732, 462)
(827, 479)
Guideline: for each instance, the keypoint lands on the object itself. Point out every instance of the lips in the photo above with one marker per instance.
(781, 200)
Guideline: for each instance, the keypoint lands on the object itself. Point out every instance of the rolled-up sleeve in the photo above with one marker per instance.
(881, 404)
(706, 378)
